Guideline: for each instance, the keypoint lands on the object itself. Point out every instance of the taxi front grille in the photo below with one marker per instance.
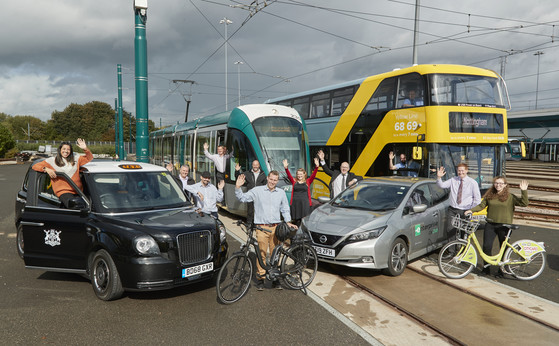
(194, 247)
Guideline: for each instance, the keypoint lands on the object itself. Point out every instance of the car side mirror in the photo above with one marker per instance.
(77, 203)
(323, 199)
(419, 208)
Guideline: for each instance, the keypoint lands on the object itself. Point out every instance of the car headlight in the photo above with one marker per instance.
(145, 245)
(222, 231)
(375, 233)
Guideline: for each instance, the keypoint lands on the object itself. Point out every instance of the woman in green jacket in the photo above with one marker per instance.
(500, 205)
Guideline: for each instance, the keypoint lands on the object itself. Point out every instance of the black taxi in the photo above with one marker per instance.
(132, 228)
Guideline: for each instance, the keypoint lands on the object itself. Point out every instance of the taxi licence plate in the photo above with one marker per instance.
(322, 251)
(199, 269)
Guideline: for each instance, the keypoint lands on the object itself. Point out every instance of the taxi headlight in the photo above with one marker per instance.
(375, 233)
(145, 245)
(222, 233)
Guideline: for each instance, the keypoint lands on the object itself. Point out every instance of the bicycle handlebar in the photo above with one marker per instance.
(251, 225)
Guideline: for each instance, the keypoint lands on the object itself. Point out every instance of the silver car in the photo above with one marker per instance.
(380, 223)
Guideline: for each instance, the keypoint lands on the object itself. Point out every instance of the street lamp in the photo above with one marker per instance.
(538, 53)
(239, 63)
(225, 22)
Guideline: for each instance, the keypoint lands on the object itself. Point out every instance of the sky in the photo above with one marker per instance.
(57, 52)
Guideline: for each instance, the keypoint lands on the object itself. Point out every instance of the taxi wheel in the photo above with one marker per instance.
(104, 277)
(397, 258)
(19, 240)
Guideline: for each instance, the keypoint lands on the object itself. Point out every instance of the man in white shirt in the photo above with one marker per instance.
(206, 194)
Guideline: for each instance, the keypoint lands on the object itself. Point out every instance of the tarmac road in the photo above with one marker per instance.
(38, 307)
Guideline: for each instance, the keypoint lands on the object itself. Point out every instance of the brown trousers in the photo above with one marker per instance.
(266, 242)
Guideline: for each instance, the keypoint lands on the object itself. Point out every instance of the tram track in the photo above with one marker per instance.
(480, 312)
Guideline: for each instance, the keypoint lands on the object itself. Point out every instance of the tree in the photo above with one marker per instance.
(7, 141)
(27, 127)
(91, 121)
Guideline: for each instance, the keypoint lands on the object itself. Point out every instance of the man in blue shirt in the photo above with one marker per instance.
(206, 195)
(270, 204)
(409, 168)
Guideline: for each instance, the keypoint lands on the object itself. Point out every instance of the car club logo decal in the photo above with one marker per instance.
(52, 237)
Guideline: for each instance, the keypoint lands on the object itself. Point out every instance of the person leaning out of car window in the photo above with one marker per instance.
(65, 161)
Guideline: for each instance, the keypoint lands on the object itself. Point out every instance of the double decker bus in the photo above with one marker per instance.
(264, 132)
(437, 115)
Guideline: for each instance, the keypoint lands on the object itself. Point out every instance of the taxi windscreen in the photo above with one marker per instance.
(134, 191)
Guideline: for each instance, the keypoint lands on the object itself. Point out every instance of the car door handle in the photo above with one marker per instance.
(435, 214)
(27, 223)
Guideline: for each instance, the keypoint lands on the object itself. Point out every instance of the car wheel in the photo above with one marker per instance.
(397, 258)
(104, 277)
(19, 241)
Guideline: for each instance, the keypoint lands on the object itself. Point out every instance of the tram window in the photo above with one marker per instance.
(202, 163)
(239, 143)
(187, 150)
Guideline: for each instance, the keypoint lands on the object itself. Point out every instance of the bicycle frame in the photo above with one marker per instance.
(278, 251)
(528, 248)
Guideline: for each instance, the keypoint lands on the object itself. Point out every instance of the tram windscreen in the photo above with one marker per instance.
(281, 138)
(467, 90)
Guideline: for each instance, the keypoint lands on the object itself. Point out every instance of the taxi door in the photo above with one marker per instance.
(54, 237)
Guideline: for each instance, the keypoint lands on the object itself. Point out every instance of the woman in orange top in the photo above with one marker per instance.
(67, 162)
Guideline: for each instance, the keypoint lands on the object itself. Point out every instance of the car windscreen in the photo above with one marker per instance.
(134, 191)
(371, 196)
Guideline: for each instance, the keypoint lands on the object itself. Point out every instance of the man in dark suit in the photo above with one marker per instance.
(254, 177)
(339, 180)
(183, 178)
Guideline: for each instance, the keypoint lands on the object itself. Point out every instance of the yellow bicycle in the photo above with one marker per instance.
(524, 259)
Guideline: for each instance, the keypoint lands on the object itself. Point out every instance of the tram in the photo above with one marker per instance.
(439, 115)
(264, 132)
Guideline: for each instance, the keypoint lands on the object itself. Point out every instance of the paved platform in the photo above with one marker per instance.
(380, 324)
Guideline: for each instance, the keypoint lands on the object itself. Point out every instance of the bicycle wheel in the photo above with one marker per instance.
(234, 278)
(449, 262)
(525, 269)
(299, 266)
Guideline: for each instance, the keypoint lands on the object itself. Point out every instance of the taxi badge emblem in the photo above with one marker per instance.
(52, 237)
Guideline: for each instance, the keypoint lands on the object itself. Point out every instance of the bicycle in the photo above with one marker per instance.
(524, 259)
(295, 266)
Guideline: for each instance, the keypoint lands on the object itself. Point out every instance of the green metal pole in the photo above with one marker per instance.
(140, 52)
(116, 126)
(121, 154)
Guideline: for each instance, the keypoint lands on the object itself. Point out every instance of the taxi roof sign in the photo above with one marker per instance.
(130, 166)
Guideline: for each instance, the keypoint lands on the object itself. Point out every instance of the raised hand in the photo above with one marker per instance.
(81, 144)
(441, 172)
(240, 181)
(285, 163)
(524, 185)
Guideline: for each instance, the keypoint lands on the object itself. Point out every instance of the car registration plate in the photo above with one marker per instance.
(199, 269)
(322, 251)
